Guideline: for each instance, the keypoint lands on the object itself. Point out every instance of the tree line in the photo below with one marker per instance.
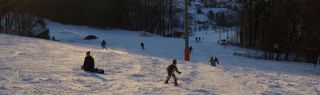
(282, 29)
(15, 19)
(156, 16)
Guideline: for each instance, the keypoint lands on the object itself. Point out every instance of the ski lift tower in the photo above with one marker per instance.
(186, 31)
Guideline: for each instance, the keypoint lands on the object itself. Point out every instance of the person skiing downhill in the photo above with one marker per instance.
(171, 69)
(103, 44)
(142, 45)
(214, 61)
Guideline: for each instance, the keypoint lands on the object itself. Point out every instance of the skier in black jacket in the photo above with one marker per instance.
(214, 61)
(142, 45)
(171, 69)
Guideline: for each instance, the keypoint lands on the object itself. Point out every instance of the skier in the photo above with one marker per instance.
(214, 61)
(142, 45)
(196, 39)
(190, 48)
(88, 64)
(103, 44)
(53, 39)
(171, 69)
(318, 61)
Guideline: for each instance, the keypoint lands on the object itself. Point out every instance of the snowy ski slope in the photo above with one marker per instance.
(31, 66)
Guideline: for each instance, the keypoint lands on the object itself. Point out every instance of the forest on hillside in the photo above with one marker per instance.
(144, 15)
(16, 19)
(162, 17)
(282, 29)
(156, 16)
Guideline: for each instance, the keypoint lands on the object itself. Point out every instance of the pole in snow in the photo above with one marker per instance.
(186, 32)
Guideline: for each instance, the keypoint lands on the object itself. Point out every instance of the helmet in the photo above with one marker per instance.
(174, 61)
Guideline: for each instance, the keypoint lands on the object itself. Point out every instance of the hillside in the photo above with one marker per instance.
(34, 66)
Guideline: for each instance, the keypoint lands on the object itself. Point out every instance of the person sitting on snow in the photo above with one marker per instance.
(171, 69)
(88, 64)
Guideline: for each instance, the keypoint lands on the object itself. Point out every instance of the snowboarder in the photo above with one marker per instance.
(103, 44)
(142, 45)
(88, 64)
(171, 69)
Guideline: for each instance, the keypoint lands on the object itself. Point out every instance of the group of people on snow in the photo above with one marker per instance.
(89, 63)
(198, 39)
(104, 43)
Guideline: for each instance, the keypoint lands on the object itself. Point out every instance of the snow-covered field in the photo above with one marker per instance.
(35, 66)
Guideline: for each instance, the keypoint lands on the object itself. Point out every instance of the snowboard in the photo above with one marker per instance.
(99, 71)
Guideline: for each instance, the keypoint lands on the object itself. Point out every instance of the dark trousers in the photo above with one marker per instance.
(213, 64)
(104, 47)
(174, 78)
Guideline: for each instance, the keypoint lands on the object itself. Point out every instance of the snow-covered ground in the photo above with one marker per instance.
(34, 66)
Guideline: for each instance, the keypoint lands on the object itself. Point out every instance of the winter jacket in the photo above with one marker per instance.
(103, 43)
(88, 63)
(212, 61)
(172, 68)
